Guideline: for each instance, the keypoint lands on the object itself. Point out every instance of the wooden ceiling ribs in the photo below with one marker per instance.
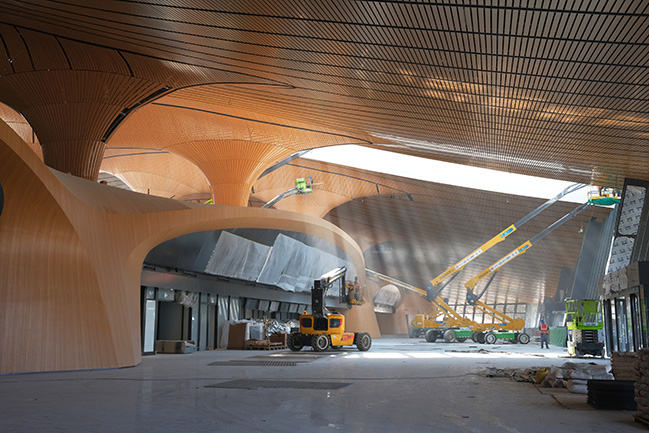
(494, 78)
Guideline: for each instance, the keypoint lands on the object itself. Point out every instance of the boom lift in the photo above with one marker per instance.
(448, 324)
(509, 324)
(323, 329)
(302, 186)
(434, 328)
(452, 271)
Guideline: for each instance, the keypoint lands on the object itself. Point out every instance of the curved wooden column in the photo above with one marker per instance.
(71, 111)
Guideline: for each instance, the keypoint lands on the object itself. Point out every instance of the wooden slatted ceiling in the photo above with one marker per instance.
(557, 89)
(157, 173)
(231, 150)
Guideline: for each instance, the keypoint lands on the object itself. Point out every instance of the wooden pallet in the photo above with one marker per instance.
(642, 421)
(263, 345)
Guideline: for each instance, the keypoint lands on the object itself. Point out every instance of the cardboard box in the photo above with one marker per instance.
(278, 338)
(237, 336)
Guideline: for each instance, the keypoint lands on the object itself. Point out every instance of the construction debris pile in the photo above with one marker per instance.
(642, 386)
(573, 376)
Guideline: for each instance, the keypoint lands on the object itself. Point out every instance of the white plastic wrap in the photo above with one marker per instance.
(236, 257)
(288, 264)
(293, 265)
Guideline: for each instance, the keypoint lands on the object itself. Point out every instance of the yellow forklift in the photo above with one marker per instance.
(323, 329)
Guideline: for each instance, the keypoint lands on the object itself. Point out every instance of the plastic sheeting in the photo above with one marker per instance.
(293, 265)
(236, 257)
(288, 264)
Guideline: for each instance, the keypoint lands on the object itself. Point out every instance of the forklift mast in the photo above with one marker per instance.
(320, 288)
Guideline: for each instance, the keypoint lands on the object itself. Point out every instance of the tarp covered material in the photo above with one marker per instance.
(288, 264)
(293, 266)
(236, 257)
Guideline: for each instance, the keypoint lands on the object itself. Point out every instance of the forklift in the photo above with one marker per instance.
(323, 329)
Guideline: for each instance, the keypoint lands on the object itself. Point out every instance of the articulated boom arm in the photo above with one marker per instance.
(436, 301)
(436, 282)
(472, 298)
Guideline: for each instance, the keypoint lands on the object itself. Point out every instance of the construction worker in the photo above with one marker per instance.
(545, 334)
(357, 288)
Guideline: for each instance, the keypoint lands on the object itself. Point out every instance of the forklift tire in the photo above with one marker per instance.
(449, 336)
(490, 338)
(431, 336)
(320, 343)
(363, 341)
(523, 338)
(480, 337)
(294, 342)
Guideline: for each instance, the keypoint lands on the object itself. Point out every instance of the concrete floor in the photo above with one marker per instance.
(400, 385)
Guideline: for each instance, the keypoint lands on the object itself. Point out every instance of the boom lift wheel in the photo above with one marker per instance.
(363, 341)
(294, 342)
(449, 336)
(480, 337)
(523, 338)
(320, 343)
(490, 338)
(431, 336)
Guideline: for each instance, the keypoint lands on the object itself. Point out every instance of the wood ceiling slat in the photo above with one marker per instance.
(17, 50)
(45, 51)
(93, 58)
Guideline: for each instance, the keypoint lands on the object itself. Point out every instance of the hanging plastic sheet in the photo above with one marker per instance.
(288, 264)
(236, 257)
(293, 265)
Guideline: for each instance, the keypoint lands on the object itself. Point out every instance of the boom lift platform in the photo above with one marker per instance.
(323, 328)
(603, 196)
(302, 186)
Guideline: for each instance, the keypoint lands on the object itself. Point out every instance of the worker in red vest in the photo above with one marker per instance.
(545, 334)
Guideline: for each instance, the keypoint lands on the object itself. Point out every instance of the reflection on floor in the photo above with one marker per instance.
(400, 385)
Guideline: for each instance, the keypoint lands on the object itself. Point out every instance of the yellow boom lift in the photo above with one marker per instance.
(430, 324)
(474, 299)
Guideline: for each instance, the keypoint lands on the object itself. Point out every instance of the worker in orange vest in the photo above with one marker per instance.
(545, 334)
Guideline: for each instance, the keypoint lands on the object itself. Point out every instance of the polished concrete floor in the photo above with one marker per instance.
(400, 385)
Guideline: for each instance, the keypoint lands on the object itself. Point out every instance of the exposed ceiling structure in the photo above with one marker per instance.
(194, 99)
